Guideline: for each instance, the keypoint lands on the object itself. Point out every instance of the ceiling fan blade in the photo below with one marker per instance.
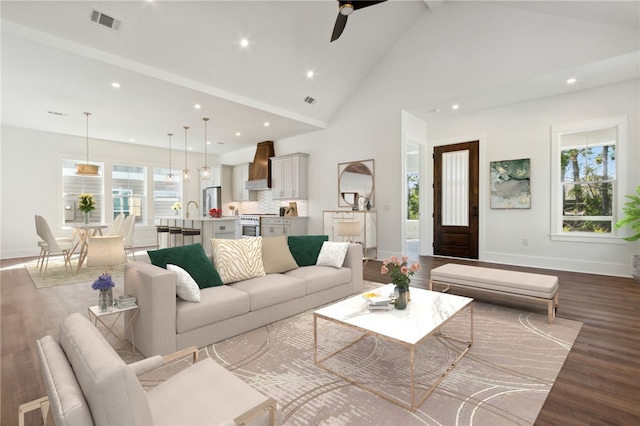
(362, 4)
(341, 22)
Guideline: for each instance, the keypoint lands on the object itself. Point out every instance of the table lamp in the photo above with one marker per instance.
(106, 251)
(349, 229)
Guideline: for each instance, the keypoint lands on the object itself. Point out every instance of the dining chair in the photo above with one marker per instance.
(52, 244)
(41, 243)
(126, 231)
(117, 223)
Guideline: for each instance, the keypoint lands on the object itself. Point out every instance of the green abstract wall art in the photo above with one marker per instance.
(510, 184)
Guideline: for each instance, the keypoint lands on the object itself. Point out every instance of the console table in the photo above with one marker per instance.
(368, 220)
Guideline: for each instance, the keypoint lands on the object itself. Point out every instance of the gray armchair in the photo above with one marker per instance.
(89, 384)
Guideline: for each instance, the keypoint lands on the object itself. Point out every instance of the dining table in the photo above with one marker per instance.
(84, 231)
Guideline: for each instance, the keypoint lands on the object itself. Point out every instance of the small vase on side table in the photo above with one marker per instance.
(105, 300)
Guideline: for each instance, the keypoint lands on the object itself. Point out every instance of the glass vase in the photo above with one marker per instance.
(401, 297)
(85, 217)
(105, 300)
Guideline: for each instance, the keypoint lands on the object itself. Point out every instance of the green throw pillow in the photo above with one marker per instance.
(305, 248)
(192, 259)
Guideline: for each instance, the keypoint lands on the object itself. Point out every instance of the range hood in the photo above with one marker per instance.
(260, 171)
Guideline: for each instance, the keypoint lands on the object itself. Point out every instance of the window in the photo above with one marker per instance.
(585, 186)
(73, 185)
(128, 184)
(164, 196)
(413, 196)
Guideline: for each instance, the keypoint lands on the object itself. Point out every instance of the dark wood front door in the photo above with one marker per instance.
(455, 200)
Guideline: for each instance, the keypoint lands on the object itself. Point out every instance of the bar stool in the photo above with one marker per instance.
(191, 232)
(174, 231)
(161, 229)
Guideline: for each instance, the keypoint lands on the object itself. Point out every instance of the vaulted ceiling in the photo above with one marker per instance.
(168, 56)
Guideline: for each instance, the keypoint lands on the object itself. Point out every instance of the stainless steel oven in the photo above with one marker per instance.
(249, 225)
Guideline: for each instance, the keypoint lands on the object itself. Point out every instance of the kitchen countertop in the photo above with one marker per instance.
(204, 219)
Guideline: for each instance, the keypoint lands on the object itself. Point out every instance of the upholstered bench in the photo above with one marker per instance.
(513, 283)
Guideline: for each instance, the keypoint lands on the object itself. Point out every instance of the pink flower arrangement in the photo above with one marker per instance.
(399, 270)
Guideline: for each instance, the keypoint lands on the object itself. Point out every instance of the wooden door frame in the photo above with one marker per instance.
(482, 188)
(463, 240)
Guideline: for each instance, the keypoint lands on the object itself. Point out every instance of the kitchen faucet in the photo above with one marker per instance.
(188, 204)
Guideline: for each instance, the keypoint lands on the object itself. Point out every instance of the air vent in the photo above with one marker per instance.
(62, 114)
(309, 100)
(106, 20)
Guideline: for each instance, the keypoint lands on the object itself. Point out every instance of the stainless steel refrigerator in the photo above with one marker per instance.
(211, 199)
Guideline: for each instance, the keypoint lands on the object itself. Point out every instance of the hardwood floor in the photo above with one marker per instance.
(599, 383)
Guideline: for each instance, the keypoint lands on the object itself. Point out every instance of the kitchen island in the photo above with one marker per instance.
(210, 227)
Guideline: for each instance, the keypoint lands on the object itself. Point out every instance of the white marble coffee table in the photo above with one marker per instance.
(425, 315)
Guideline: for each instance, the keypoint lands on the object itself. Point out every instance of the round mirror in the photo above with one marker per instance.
(354, 180)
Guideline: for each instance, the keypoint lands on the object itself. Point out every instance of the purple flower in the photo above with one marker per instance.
(103, 282)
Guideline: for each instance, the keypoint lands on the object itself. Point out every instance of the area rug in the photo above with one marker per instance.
(57, 274)
(503, 380)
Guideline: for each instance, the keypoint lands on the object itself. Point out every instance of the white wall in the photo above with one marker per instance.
(31, 182)
(465, 47)
(524, 131)
(462, 48)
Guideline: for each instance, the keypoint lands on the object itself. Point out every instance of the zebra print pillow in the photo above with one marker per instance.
(237, 260)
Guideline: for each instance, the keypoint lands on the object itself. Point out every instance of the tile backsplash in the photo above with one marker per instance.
(265, 205)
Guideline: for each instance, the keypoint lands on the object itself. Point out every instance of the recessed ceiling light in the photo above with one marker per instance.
(266, 124)
(309, 74)
(237, 133)
(571, 80)
(132, 140)
(456, 106)
(197, 106)
(115, 84)
(208, 143)
(244, 42)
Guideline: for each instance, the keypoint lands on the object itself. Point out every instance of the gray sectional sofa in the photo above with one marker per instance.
(167, 323)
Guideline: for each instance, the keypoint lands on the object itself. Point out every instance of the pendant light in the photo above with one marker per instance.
(87, 169)
(205, 170)
(186, 174)
(170, 174)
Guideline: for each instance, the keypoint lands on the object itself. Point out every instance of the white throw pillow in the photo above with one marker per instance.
(332, 254)
(237, 260)
(186, 287)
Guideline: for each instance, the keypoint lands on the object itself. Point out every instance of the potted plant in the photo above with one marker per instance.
(632, 218)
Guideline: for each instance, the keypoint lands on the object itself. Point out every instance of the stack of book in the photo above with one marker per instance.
(376, 301)
(126, 301)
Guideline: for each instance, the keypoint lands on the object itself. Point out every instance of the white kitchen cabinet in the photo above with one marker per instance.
(278, 226)
(368, 221)
(222, 176)
(289, 177)
(240, 176)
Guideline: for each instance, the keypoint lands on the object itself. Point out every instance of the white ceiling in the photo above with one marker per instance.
(170, 55)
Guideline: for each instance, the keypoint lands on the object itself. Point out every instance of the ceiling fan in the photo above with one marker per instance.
(346, 9)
